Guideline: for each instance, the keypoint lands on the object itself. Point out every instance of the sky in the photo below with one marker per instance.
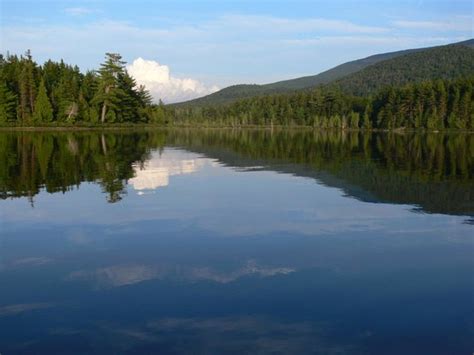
(184, 49)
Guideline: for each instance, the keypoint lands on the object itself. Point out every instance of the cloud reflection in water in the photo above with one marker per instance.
(156, 172)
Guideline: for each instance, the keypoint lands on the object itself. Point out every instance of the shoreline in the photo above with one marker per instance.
(122, 127)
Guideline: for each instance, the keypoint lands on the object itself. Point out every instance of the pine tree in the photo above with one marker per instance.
(129, 97)
(366, 122)
(109, 93)
(27, 87)
(43, 111)
(7, 103)
(354, 122)
(453, 117)
(442, 102)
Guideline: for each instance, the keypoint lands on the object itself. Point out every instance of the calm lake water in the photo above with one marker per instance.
(236, 241)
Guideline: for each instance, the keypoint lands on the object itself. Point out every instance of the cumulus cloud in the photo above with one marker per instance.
(162, 85)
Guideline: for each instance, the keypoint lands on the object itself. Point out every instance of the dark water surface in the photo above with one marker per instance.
(221, 241)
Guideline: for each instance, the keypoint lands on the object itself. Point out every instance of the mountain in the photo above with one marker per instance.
(236, 92)
(447, 62)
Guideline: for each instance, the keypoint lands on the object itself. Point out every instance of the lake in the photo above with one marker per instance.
(236, 241)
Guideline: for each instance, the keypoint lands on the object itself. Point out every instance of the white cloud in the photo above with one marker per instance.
(290, 25)
(162, 85)
(459, 23)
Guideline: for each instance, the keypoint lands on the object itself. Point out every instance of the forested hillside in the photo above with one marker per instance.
(447, 62)
(241, 91)
(434, 105)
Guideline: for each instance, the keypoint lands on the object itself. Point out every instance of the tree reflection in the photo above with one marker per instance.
(434, 172)
(60, 161)
(431, 171)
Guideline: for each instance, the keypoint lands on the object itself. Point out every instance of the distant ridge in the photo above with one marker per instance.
(340, 74)
(446, 62)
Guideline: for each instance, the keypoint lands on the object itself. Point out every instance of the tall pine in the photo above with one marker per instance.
(43, 111)
(109, 93)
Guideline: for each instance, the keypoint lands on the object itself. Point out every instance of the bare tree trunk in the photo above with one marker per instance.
(102, 116)
(72, 111)
(104, 106)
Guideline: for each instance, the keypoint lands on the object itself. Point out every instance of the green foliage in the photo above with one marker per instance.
(109, 93)
(27, 78)
(446, 62)
(158, 116)
(7, 103)
(433, 105)
(57, 92)
(43, 111)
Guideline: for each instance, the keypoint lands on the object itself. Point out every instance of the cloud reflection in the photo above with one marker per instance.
(123, 275)
(156, 172)
(23, 307)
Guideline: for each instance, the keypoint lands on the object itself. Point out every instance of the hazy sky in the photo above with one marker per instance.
(189, 48)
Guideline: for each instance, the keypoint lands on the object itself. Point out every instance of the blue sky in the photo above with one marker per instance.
(195, 46)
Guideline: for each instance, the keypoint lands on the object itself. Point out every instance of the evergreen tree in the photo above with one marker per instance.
(366, 122)
(109, 93)
(27, 87)
(354, 122)
(7, 103)
(43, 111)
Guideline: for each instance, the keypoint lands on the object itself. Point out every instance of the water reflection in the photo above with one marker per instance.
(432, 172)
(220, 241)
(156, 171)
(121, 275)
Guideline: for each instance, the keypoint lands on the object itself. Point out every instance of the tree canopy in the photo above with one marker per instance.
(32, 94)
(434, 105)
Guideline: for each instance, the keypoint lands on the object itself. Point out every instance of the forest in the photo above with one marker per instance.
(433, 105)
(56, 93)
(445, 62)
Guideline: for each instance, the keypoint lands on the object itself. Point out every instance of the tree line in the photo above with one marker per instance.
(434, 105)
(58, 93)
(55, 92)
